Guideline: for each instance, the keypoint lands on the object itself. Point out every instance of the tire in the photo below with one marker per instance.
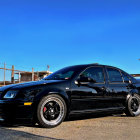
(51, 111)
(133, 106)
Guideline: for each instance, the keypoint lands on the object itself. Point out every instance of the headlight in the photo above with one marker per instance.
(10, 94)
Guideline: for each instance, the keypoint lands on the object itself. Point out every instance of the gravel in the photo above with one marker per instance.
(117, 127)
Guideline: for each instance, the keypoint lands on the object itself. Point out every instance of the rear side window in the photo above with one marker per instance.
(114, 75)
(95, 73)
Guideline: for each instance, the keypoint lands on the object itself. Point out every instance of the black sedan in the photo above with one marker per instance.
(72, 90)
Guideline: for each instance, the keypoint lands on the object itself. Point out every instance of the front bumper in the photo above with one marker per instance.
(13, 110)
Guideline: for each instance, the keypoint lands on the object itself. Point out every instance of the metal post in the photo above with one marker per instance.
(12, 76)
(4, 72)
(19, 77)
(38, 75)
(32, 74)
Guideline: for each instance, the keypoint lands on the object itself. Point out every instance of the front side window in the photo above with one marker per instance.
(114, 75)
(95, 73)
(125, 77)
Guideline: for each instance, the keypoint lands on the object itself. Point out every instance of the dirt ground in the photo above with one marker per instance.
(118, 127)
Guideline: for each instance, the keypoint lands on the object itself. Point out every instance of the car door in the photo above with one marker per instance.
(90, 96)
(117, 88)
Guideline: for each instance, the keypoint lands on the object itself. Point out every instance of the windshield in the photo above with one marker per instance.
(63, 74)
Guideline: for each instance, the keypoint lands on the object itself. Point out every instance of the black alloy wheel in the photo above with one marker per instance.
(51, 111)
(133, 106)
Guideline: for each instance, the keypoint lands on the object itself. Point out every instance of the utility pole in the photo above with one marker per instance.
(4, 72)
(48, 69)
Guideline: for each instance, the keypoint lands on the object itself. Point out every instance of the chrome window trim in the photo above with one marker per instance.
(95, 66)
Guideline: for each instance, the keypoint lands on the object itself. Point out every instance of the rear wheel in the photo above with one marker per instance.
(133, 106)
(51, 111)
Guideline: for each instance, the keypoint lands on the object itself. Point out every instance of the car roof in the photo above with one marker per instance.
(93, 64)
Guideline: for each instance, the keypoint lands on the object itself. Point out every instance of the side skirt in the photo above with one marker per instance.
(112, 109)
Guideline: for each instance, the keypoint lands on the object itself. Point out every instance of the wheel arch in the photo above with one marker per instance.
(62, 94)
(130, 96)
(131, 93)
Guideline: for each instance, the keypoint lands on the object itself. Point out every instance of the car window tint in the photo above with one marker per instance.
(96, 73)
(66, 75)
(63, 74)
(125, 77)
(114, 75)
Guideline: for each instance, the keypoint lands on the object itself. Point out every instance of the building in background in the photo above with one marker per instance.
(29, 76)
(136, 75)
(13, 76)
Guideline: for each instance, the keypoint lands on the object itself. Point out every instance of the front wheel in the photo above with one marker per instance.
(133, 106)
(51, 111)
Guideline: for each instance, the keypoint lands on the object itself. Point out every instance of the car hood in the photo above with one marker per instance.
(28, 84)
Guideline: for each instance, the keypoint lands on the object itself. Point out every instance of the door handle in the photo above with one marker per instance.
(103, 88)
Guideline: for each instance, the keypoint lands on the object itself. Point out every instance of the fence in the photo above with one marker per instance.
(12, 76)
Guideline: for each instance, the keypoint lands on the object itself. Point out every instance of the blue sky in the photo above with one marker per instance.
(34, 33)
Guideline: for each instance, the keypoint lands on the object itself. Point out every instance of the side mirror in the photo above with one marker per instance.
(128, 81)
(84, 81)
